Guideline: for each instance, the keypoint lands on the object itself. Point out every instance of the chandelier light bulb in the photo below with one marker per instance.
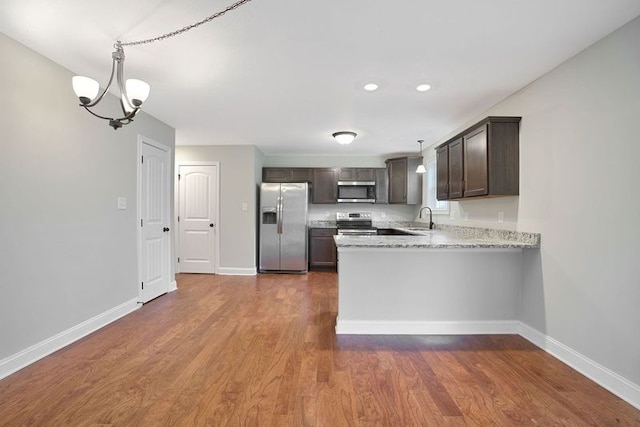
(137, 91)
(86, 89)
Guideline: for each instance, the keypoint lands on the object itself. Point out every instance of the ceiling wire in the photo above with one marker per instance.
(188, 27)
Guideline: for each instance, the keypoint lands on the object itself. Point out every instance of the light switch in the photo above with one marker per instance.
(244, 207)
(122, 203)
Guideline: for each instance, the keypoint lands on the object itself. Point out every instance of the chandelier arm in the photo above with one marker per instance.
(106, 89)
(188, 27)
(124, 98)
(86, 107)
(129, 117)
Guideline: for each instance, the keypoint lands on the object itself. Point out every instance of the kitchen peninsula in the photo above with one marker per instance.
(452, 280)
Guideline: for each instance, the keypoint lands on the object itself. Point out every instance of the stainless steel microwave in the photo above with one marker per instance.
(356, 192)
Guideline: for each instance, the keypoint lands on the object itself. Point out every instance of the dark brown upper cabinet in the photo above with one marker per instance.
(286, 175)
(382, 185)
(405, 185)
(442, 169)
(456, 169)
(483, 160)
(356, 174)
(476, 177)
(324, 185)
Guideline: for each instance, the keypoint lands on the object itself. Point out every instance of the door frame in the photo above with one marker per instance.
(172, 284)
(176, 225)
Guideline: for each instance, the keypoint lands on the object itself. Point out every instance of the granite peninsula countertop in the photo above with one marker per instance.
(444, 236)
(314, 223)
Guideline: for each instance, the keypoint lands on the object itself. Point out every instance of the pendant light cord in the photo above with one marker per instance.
(188, 27)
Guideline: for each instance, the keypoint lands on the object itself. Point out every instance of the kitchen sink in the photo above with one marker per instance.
(403, 231)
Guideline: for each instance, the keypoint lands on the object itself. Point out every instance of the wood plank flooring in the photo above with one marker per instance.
(245, 351)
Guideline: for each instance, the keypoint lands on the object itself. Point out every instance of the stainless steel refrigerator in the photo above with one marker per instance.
(283, 227)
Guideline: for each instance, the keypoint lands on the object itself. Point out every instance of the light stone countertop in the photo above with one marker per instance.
(315, 223)
(445, 237)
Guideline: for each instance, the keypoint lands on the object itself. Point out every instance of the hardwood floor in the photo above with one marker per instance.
(229, 350)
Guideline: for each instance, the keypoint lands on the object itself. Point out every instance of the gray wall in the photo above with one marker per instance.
(579, 177)
(239, 166)
(67, 253)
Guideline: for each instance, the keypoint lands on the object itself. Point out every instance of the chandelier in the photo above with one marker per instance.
(131, 92)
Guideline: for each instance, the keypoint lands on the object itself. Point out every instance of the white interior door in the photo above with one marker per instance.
(197, 217)
(154, 221)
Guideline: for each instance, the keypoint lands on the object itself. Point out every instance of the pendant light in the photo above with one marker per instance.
(421, 168)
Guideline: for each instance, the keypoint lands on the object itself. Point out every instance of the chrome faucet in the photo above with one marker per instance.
(430, 216)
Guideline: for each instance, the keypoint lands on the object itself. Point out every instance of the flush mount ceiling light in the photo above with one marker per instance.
(132, 92)
(423, 87)
(421, 168)
(344, 137)
(370, 87)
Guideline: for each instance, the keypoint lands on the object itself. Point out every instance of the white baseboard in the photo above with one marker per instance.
(44, 348)
(608, 379)
(230, 271)
(173, 286)
(426, 328)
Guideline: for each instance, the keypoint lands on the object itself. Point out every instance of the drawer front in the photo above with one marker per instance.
(319, 232)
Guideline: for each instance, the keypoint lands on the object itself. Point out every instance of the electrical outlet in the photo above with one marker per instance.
(383, 215)
(244, 207)
(466, 216)
(500, 217)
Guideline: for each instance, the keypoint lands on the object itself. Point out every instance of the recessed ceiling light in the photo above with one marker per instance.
(370, 87)
(423, 87)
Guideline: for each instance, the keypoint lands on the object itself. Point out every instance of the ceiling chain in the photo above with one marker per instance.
(188, 27)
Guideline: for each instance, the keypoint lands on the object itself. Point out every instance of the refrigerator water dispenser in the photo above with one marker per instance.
(269, 215)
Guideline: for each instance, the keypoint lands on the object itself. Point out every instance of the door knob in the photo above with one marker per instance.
(165, 229)
(211, 225)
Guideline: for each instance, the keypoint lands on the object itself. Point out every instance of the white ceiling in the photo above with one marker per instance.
(283, 74)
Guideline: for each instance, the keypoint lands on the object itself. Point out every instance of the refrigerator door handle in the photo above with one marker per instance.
(279, 214)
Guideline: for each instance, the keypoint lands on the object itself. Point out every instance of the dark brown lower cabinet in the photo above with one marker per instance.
(323, 254)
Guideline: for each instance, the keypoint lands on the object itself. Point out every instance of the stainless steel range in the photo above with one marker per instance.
(355, 224)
